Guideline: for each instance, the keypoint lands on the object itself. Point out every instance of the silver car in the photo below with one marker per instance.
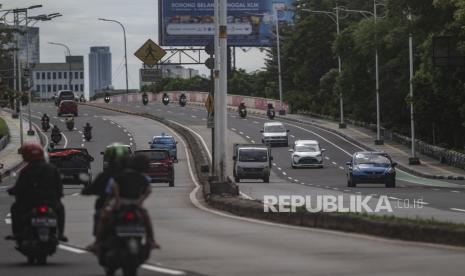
(306, 153)
(275, 133)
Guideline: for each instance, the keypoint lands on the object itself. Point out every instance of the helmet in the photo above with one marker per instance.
(32, 153)
(115, 156)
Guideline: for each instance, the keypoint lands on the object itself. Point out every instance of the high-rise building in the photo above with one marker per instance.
(49, 78)
(99, 69)
(33, 37)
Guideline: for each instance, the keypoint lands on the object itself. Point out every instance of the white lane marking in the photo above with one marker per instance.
(255, 122)
(393, 198)
(82, 145)
(233, 129)
(169, 111)
(296, 180)
(284, 173)
(302, 183)
(279, 168)
(292, 136)
(8, 218)
(61, 120)
(129, 134)
(252, 141)
(193, 116)
(457, 192)
(112, 122)
(457, 209)
(203, 119)
(241, 133)
(326, 157)
(334, 163)
(104, 119)
(340, 167)
(72, 249)
(274, 164)
(290, 178)
(130, 139)
(162, 269)
(80, 132)
(247, 137)
(434, 189)
(245, 195)
(75, 194)
(66, 140)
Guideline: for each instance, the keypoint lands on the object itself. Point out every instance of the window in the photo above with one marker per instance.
(60, 87)
(37, 88)
(76, 87)
(76, 75)
(65, 75)
(38, 75)
(54, 88)
(71, 87)
(43, 88)
(59, 75)
(54, 75)
(65, 86)
(49, 88)
(49, 75)
(82, 75)
(43, 75)
(81, 88)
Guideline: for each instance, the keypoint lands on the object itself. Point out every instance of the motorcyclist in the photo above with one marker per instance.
(56, 131)
(87, 128)
(129, 187)
(117, 161)
(165, 98)
(242, 109)
(270, 110)
(182, 99)
(45, 118)
(38, 182)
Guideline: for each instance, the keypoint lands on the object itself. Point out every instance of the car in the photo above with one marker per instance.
(306, 153)
(161, 165)
(275, 133)
(67, 107)
(71, 164)
(106, 153)
(166, 142)
(252, 161)
(371, 167)
(64, 95)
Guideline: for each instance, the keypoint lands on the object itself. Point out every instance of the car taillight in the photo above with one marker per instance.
(43, 210)
(130, 216)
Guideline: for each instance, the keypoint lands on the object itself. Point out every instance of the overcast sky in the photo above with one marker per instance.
(80, 29)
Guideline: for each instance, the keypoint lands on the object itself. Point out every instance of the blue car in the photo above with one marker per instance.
(371, 167)
(165, 142)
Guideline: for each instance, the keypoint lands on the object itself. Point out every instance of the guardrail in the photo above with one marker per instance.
(200, 98)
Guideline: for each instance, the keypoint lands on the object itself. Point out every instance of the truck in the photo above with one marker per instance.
(72, 164)
(252, 161)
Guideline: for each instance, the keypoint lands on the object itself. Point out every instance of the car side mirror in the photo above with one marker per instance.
(394, 164)
(290, 150)
(234, 158)
(101, 152)
(287, 130)
(150, 143)
(348, 163)
(271, 158)
(261, 131)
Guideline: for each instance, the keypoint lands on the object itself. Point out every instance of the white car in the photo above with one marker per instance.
(275, 133)
(306, 153)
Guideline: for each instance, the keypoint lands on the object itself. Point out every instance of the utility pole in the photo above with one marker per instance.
(413, 160)
(379, 140)
(19, 76)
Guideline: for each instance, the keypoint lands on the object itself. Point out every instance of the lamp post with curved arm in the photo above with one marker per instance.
(335, 18)
(374, 14)
(70, 74)
(125, 51)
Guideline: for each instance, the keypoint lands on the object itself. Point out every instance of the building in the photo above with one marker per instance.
(49, 78)
(99, 69)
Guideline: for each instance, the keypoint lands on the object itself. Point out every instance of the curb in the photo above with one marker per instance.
(400, 165)
(438, 234)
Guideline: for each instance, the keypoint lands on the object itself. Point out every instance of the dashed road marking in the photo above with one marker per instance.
(340, 167)
(279, 168)
(457, 192)
(457, 209)
(334, 163)
(284, 173)
(326, 157)
(241, 133)
(233, 129)
(247, 137)
(252, 141)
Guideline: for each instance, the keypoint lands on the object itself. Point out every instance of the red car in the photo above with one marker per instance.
(67, 107)
(161, 165)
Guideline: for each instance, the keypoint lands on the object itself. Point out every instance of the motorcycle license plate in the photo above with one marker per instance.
(47, 222)
(130, 231)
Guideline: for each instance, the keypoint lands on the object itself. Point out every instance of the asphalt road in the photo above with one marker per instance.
(204, 241)
(442, 200)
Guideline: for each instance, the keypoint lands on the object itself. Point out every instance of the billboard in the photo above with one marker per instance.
(251, 23)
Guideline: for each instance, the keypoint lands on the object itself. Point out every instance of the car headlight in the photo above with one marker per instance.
(296, 156)
(391, 170)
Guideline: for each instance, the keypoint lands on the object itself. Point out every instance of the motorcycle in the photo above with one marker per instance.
(87, 134)
(242, 112)
(107, 99)
(56, 138)
(182, 101)
(45, 125)
(70, 125)
(165, 100)
(145, 100)
(40, 236)
(124, 247)
(271, 113)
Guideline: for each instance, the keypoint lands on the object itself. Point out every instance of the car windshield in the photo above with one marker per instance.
(307, 148)
(253, 155)
(372, 159)
(275, 128)
(154, 155)
(164, 141)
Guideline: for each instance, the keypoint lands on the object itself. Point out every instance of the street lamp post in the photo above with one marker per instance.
(280, 77)
(335, 18)
(125, 52)
(70, 73)
(374, 14)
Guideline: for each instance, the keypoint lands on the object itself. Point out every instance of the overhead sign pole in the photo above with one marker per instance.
(216, 76)
(223, 90)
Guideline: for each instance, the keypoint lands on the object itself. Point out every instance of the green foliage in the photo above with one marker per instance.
(4, 131)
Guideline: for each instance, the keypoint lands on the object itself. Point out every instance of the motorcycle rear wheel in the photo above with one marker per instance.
(130, 271)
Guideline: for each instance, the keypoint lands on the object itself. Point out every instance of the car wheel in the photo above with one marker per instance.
(391, 183)
(293, 166)
(237, 179)
(351, 183)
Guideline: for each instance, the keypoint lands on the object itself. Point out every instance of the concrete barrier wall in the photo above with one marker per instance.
(200, 98)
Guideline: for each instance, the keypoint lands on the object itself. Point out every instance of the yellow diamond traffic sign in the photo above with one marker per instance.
(150, 53)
